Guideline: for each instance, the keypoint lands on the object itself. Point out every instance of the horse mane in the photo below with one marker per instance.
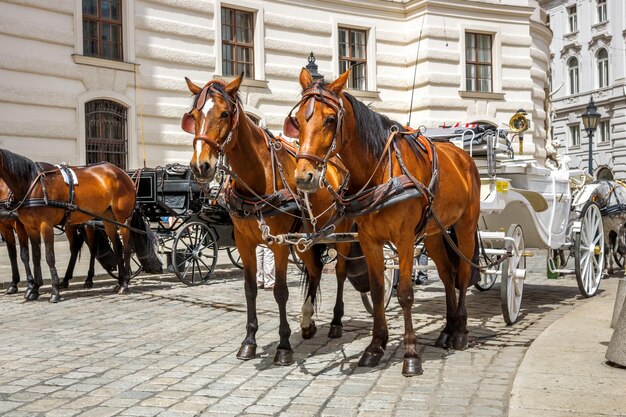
(21, 166)
(372, 127)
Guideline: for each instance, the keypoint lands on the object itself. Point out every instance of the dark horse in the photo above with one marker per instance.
(221, 128)
(103, 191)
(331, 122)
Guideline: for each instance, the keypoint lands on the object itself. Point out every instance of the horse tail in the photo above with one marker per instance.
(305, 278)
(102, 250)
(475, 272)
(453, 257)
(145, 244)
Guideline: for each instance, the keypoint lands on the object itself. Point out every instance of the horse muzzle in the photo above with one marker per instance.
(307, 179)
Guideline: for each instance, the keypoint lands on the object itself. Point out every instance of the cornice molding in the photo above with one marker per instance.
(104, 63)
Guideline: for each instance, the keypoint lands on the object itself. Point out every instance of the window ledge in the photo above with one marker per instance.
(595, 25)
(481, 95)
(364, 94)
(574, 147)
(570, 34)
(247, 82)
(105, 63)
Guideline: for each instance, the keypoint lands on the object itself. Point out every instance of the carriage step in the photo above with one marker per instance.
(563, 271)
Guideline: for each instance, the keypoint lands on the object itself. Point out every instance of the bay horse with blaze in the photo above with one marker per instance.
(374, 150)
(260, 165)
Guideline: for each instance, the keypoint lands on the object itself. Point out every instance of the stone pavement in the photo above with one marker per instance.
(169, 350)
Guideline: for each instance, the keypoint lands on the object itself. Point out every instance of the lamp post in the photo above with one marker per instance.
(312, 68)
(590, 122)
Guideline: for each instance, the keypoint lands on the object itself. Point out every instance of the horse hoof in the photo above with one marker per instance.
(459, 342)
(32, 296)
(64, 285)
(55, 298)
(246, 352)
(283, 357)
(412, 367)
(11, 290)
(88, 285)
(117, 288)
(310, 331)
(443, 341)
(123, 291)
(336, 331)
(370, 359)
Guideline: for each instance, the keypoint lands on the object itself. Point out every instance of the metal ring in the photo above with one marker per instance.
(393, 129)
(302, 245)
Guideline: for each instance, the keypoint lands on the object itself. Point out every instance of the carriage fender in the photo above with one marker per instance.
(536, 200)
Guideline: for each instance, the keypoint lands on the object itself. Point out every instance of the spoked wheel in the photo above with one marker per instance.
(618, 255)
(234, 256)
(589, 250)
(391, 278)
(135, 268)
(293, 258)
(513, 274)
(487, 280)
(194, 253)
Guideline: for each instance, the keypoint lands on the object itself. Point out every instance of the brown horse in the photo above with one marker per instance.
(103, 191)
(331, 122)
(222, 129)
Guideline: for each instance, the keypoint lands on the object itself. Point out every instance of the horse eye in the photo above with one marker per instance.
(330, 120)
(224, 114)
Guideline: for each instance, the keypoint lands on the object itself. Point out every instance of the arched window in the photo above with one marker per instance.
(105, 132)
(602, 62)
(572, 72)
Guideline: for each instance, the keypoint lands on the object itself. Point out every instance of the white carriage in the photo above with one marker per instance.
(526, 205)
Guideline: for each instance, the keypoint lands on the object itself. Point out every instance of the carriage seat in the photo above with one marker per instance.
(474, 137)
(177, 188)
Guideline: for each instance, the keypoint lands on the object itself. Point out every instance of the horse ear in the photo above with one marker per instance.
(192, 87)
(234, 85)
(305, 78)
(338, 85)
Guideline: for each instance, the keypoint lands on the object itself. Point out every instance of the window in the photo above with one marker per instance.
(237, 42)
(604, 131)
(572, 22)
(602, 60)
(352, 53)
(105, 132)
(102, 29)
(572, 72)
(574, 135)
(478, 74)
(601, 8)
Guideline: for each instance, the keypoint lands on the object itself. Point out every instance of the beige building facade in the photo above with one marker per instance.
(84, 80)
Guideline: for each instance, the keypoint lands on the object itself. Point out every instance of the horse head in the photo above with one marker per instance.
(212, 120)
(318, 125)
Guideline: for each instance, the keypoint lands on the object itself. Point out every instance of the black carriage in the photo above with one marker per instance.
(190, 226)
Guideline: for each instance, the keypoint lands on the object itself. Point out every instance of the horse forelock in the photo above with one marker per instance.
(218, 86)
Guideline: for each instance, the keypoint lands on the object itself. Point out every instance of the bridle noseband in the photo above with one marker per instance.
(312, 94)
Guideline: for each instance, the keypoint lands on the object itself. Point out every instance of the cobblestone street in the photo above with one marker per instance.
(169, 350)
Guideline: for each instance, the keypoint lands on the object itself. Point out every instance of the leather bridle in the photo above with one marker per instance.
(291, 128)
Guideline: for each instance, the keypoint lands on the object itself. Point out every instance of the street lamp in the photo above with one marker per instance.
(590, 122)
(312, 68)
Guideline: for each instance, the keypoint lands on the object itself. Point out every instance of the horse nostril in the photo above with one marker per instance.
(205, 167)
(309, 177)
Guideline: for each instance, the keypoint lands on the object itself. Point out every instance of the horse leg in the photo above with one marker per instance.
(76, 241)
(48, 237)
(126, 255)
(314, 272)
(248, 259)
(373, 252)
(9, 238)
(111, 232)
(284, 353)
(22, 237)
(336, 326)
(437, 252)
(32, 292)
(90, 238)
(466, 243)
(412, 363)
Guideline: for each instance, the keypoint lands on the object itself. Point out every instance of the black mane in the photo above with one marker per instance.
(373, 128)
(20, 166)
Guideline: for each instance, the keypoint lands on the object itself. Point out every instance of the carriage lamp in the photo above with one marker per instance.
(312, 68)
(590, 122)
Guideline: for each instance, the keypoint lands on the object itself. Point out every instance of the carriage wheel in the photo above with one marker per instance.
(589, 250)
(618, 257)
(194, 253)
(135, 268)
(487, 280)
(294, 259)
(234, 256)
(391, 279)
(513, 275)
